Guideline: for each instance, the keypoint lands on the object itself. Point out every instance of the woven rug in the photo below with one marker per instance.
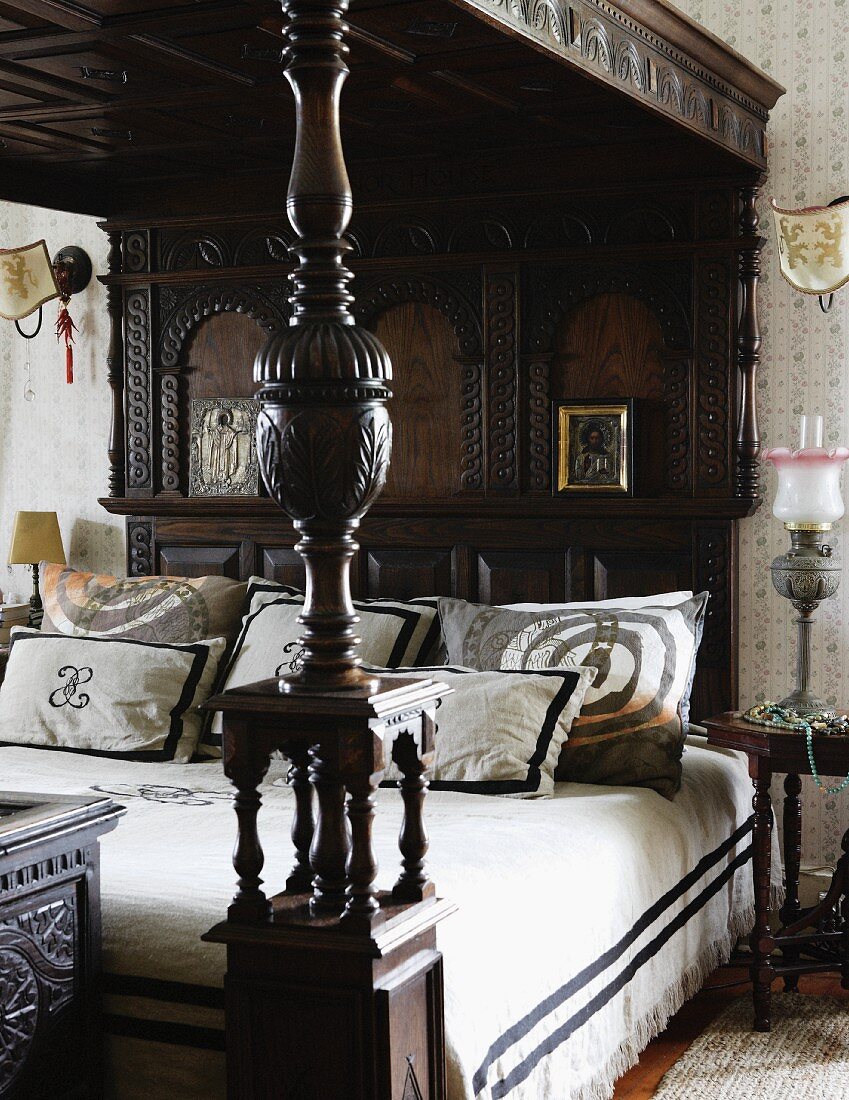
(804, 1057)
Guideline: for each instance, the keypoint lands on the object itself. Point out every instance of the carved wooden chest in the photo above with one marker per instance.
(50, 943)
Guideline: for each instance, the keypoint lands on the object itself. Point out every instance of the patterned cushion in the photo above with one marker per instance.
(630, 730)
(149, 609)
(500, 732)
(106, 697)
(393, 634)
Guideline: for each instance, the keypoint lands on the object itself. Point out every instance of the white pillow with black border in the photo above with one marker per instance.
(394, 633)
(499, 732)
(117, 697)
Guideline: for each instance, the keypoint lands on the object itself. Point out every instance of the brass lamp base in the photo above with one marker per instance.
(806, 575)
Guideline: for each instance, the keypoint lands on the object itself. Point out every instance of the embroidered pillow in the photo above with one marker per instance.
(500, 732)
(629, 731)
(393, 634)
(106, 697)
(148, 609)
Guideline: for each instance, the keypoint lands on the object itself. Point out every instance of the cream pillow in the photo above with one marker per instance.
(107, 697)
(500, 732)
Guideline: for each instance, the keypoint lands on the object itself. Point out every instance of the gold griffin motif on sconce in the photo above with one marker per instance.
(828, 245)
(17, 274)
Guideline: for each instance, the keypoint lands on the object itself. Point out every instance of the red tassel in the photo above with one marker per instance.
(69, 364)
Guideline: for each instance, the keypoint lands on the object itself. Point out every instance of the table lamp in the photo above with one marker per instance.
(809, 503)
(35, 538)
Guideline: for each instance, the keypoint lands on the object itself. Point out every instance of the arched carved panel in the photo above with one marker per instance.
(610, 347)
(372, 300)
(427, 401)
(200, 302)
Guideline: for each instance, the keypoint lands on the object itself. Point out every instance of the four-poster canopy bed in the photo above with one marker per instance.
(552, 199)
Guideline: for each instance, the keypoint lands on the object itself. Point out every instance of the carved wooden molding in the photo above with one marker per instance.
(539, 423)
(136, 252)
(381, 296)
(139, 547)
(596, 36)
(433, 291)
(676, 393)
(713, 565)
(714, 279)
(115, 372)
(557, 290)
(170, 431)
(203, 301)
(503, 380)
(196, 250)
(137, 350)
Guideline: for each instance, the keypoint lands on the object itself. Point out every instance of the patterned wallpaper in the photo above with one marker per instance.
(805, 45)
(53, 449)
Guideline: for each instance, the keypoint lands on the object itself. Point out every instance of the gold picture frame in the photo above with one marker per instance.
(595, 450)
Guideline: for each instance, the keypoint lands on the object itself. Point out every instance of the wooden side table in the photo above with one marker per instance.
(810, 940)
(50, 943)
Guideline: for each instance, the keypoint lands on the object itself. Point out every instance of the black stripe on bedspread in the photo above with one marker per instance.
(162, 1031)
(603, 962)
(181, 993)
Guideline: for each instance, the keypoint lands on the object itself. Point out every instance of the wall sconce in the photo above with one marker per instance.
(29, 279)
(813, 248)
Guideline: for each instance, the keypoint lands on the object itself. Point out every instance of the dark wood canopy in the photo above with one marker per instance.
(127, 107)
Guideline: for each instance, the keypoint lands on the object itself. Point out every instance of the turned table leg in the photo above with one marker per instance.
(329, 847)
(760, 940)
(245, 768)
(791, 908)
(303, 822)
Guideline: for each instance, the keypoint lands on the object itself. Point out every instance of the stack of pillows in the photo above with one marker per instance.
(592, 692)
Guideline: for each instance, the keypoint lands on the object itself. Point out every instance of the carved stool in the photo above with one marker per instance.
(331, 982)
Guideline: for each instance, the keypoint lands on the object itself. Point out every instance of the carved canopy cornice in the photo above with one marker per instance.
(612, 43)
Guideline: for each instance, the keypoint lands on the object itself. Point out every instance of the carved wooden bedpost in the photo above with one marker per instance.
(324, 435)
(115, 370)
(334, 989)
(748, 443)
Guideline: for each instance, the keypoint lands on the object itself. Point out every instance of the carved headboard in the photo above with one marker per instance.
(491, 308)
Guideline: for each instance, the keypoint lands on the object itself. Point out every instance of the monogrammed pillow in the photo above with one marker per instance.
(500, 732)
(393, 633)
(106, 697)
(629, 731)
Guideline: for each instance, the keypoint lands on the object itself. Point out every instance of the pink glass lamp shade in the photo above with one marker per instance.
(808, 496)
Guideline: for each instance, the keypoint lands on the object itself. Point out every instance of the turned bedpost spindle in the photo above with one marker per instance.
(303, 820)
(323, 435)
(115, 371)
(791, 909)
(748, 442)
(413, 883)
(361, 867)
(330, 842)
(246, 769)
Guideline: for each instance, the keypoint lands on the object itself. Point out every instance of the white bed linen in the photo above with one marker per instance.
(558, 971)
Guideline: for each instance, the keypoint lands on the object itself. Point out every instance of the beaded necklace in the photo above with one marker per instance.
(822, 723)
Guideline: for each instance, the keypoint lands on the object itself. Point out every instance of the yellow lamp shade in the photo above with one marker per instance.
(813, 247)
(35, 538)
(26, 280)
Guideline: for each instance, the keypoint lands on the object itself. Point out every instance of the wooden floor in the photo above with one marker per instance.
(640, 1082)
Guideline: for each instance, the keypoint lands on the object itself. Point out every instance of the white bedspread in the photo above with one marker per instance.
(584, 920)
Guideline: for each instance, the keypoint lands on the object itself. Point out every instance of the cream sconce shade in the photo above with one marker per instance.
(27, 280)
(813, 247)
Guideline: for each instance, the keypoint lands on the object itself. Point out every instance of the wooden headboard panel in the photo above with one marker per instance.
(491, 309)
